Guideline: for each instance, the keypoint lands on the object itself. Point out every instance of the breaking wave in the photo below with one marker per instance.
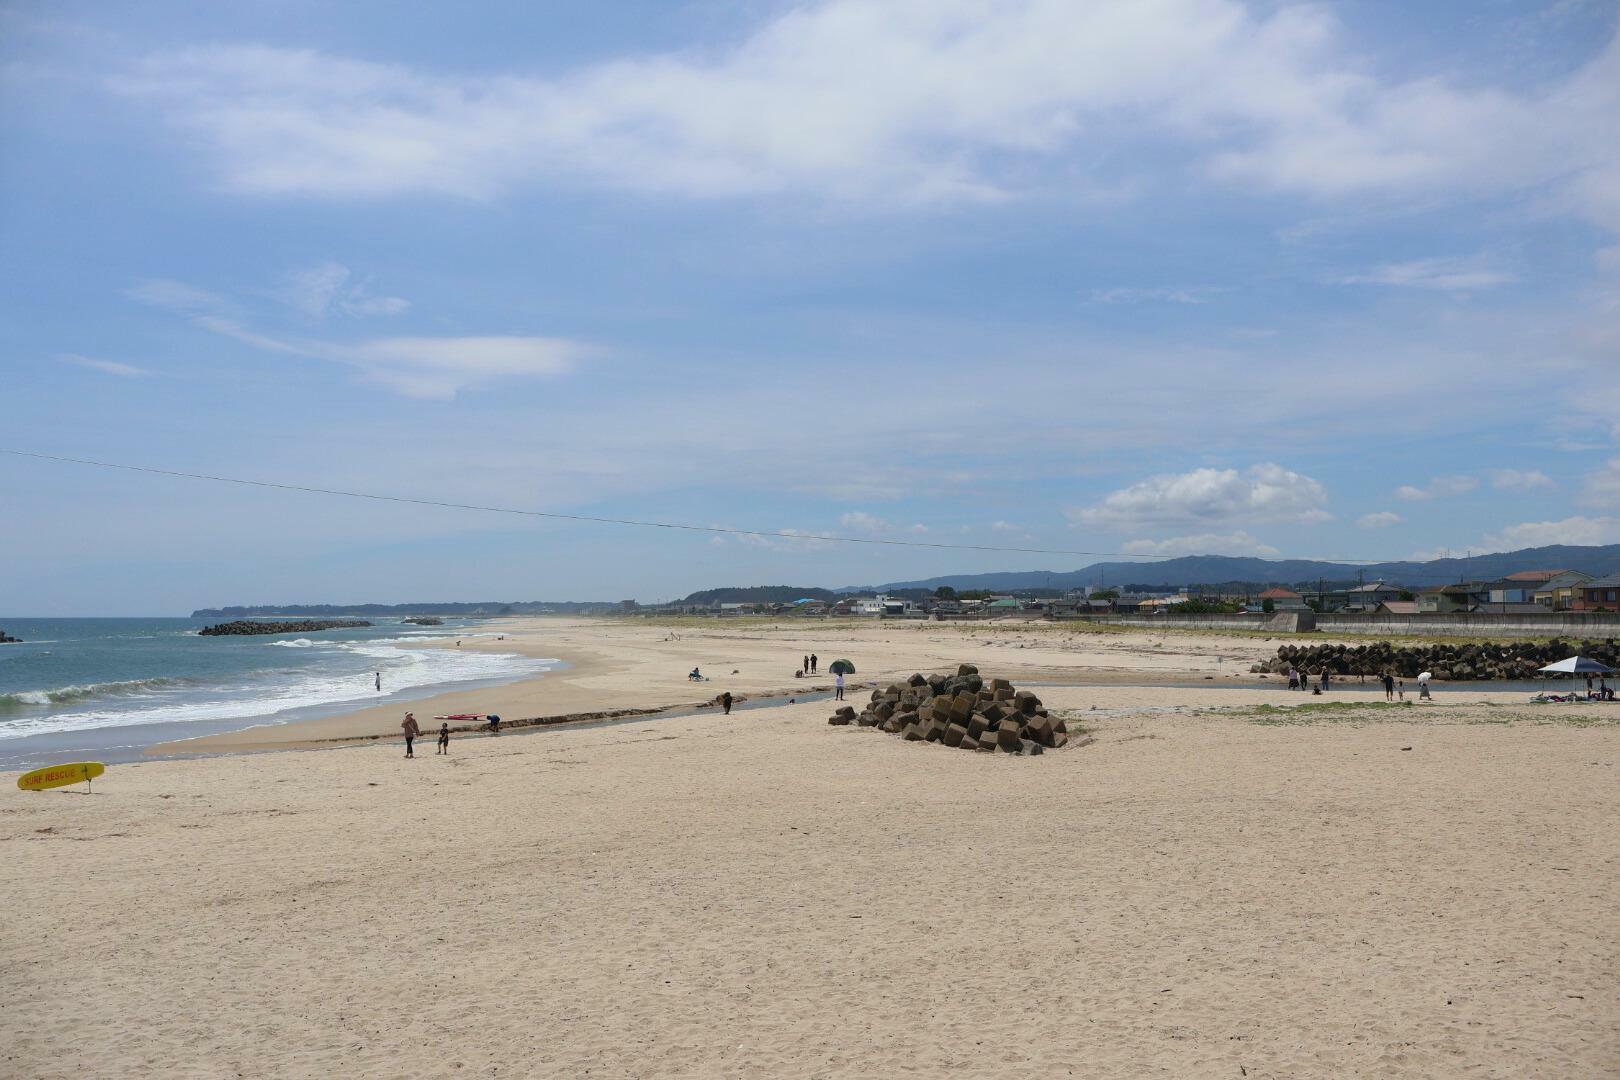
(65, 695)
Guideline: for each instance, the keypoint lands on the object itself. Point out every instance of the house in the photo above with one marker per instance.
(1445, 599)
(1283, 600)
(1397, 607)
(1599, 594)
(1364, 597)
(1558, 593)
(1520, 588)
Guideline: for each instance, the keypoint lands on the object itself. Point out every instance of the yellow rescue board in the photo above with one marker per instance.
(50, 776)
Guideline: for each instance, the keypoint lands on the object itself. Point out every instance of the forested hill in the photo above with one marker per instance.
(760, 594)
(1221, 569)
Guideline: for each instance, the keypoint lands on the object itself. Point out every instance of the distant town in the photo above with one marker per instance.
(1521, 593)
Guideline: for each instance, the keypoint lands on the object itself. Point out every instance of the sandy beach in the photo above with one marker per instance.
(1209, 889)
(634, 664)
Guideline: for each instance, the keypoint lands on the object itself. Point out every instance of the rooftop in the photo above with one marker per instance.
(1534, 576)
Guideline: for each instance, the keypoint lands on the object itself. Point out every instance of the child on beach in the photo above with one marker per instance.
(412, 730)
(839, 683)
(444, 738)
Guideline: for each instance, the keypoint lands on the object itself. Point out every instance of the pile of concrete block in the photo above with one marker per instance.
(964, 711)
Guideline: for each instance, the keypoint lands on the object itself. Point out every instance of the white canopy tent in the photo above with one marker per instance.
(1574, 666)
(1577, 665)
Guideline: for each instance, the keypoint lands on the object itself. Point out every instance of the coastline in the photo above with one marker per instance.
(616, 668)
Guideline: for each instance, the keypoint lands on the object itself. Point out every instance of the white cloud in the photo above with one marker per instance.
(1577, 530)
(1450, 275)
(1603, 485)
(1238, 543)
(426, 367)
(109, 367)
(319, 291)
(860, 521)
(440, 367)
(1439, 487)
(1196, 295)
(1003, 526)
(1520, 479)
(783, 540)
(1383, 519)
(907, 99)
(175, 295)
(1263, 493)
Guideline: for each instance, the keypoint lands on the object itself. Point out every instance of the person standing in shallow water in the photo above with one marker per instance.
(725, 702)
(412, 730)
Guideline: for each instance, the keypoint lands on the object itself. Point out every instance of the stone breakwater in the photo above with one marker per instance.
(963, 711)
(305, 626)
(1500, 660)
(424, 620)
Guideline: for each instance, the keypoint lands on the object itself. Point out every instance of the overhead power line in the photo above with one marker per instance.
(680, 526)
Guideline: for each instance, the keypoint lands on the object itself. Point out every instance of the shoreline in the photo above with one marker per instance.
(618, 669)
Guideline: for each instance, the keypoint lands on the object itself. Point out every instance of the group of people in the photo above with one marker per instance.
(1394, 689)
(808, 666)
(1301, 680)
(412, 730)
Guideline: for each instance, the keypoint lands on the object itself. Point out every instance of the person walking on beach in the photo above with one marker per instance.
(412, 730)
(1305, 681)
(1389, 686)
(725, 702)
(1293, 678)
(805, 666)
(379, 682)
(812, 663)
(444, 738)
(838, 694)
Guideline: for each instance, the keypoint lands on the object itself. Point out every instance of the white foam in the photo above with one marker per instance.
(403, 669)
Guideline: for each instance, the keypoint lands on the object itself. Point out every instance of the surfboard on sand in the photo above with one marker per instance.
(75, 772)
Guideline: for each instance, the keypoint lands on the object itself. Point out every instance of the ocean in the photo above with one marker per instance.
(108, 688)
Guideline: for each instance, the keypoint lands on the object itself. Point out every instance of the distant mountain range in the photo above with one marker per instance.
(1223, 569)
(1207, 570)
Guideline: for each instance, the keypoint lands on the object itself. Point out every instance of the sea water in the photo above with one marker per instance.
(108, 688)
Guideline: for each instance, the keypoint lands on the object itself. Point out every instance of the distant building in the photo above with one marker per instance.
(1364, 597)
(1447, 599)
(1397, 607)
(1599, 594)
(1520, 588)
(1558, 593)
(1283, 600)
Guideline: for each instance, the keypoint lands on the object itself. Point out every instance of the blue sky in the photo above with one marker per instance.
(1167, 277)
